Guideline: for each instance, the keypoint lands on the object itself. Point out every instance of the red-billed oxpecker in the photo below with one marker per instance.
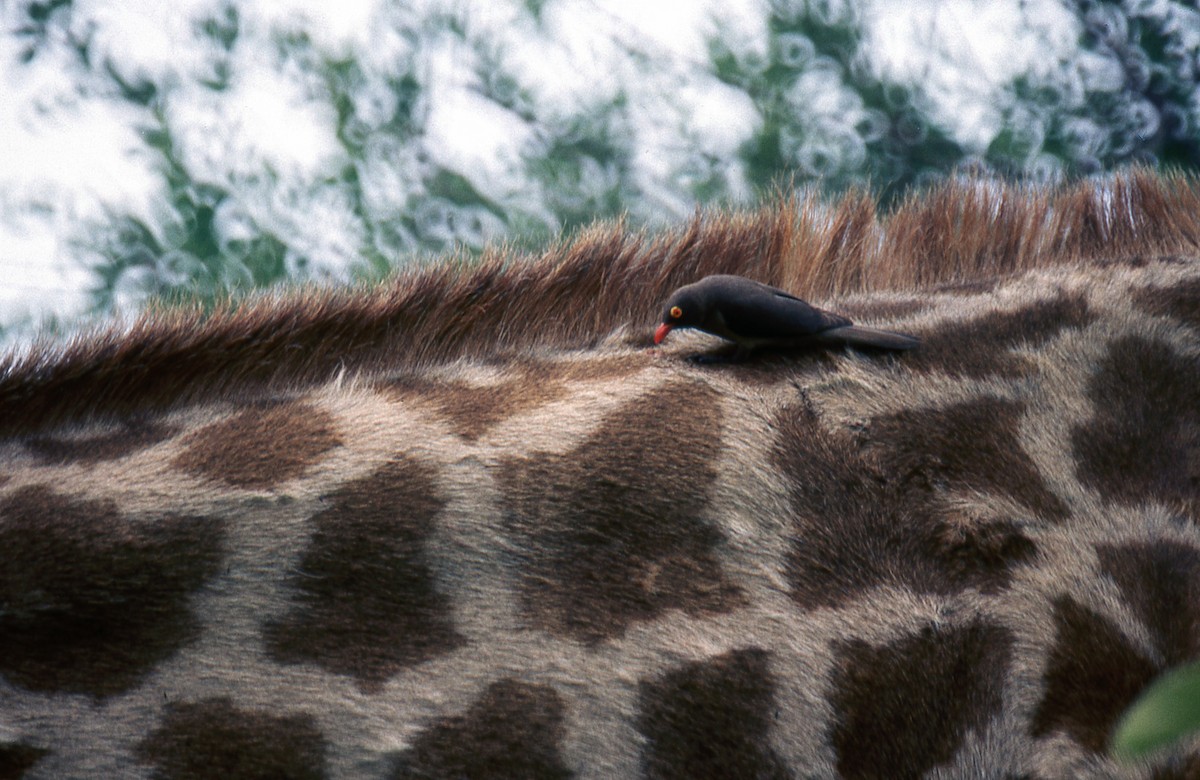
(754, 315)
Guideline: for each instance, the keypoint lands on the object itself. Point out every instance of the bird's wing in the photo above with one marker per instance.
(776, 315)
(784, 294)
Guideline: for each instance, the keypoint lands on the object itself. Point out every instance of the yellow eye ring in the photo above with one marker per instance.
(676, 312)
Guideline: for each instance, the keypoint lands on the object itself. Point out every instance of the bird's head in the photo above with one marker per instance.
(684, 309)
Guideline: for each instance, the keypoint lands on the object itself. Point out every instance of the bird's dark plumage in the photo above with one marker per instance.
(754, 315)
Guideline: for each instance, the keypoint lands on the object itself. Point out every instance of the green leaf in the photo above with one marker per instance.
(1167, 710)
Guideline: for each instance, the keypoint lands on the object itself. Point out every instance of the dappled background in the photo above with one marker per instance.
(207, 147)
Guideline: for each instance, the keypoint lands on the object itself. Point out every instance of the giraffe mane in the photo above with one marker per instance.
(579, 292)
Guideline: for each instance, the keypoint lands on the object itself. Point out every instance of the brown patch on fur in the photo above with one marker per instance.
(711, 719)
(903, 708)
(1093, 674)
(368, 604)
(978, 287)
(15, 760)
(865, 311)
(90, 601)
(1143, 441)
(577, 293)
(614, 532)
(981, 552)
(1161, 583)
(969, 446)
(890, 529)
(771, 366)
(474, 410)
(513, 730)
(261, 446)
(980, 347)
(589, 370)
(213, 738)
(89, 450)
(1181, 301)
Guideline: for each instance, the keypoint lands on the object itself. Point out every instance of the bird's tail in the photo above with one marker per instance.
(870, 338)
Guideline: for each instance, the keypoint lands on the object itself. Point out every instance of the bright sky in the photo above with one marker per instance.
(73, 153)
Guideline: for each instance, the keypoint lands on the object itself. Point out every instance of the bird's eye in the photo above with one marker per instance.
(676, 312)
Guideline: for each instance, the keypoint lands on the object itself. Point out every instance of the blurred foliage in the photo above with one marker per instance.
(1167, 711)
(825, 118)
(868, 132)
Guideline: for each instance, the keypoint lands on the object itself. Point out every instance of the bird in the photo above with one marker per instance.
(754, 315)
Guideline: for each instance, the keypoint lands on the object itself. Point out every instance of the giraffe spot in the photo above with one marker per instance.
(590, 370)
(975, 287)
(710, 719)
(1143, 440)
(980, 347)
(367, 604)
(860, 524)
(1180, 301)
(1160, 581)
(881, 308)
(981, 553)
(969, 446)
(770, 366)
(903, 708)
(213, 738)
(260, 446)
(1143, 261)
(513, 730)
(1092, 675)
(474, 410)
(15, 760)
(613, 532)
(91, 601)
(90, 450)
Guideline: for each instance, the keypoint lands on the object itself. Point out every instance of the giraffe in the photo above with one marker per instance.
(469, 523)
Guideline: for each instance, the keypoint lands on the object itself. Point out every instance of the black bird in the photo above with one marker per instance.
(754, 315)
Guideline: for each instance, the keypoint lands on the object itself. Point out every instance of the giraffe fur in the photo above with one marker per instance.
(468, 524)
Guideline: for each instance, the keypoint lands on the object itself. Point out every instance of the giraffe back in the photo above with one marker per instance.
(406, 533)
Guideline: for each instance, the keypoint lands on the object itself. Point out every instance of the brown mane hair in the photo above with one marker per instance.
(576, 293)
